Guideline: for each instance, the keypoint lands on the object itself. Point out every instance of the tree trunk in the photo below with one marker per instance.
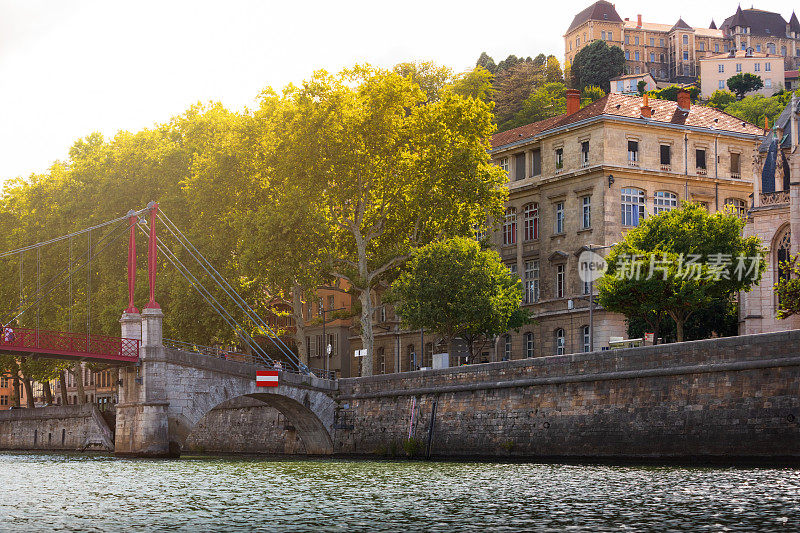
(300, 324)
(26, 382)
(62, 385)
(48, 393)
(679, 328)
(367, 334)
(15, 389)
(77, 371)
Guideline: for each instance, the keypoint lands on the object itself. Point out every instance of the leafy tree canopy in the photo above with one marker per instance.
(596, 64)
(743, 83)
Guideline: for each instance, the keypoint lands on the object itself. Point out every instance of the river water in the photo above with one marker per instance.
(40, 492)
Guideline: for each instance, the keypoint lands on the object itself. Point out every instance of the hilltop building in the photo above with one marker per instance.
(672, 52)
(715, 71)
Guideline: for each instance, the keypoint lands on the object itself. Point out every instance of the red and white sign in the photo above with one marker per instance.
(266, 378)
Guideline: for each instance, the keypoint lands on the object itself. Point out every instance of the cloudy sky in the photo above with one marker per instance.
(71, 67)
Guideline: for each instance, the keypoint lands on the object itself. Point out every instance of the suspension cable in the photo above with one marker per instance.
(230, 291)
(209, 298)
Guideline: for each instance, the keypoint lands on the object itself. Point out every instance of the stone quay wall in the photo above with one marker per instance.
(732, 397)
(65, 427)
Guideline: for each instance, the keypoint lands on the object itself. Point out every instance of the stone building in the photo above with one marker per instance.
(672, 52)
(585, 178)
(715, 71)
(775, 219)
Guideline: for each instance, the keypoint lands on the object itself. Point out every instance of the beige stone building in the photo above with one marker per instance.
(715, 71)
(775, 219)
(672, 52)
(585, 178)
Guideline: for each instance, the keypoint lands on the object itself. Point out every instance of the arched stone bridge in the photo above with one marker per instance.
(166, 394)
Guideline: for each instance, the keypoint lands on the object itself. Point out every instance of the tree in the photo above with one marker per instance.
(549, 100)
(456, 289)
(553, 72)
(641, 86)
(476, 83)
(590, 94)
(756, 107)
(743, 83)
(787, 289)
(514, 85)
(486, 61)
(721, 99)
(388, 170)
(596, 64)
(679, 263)
(671, 93)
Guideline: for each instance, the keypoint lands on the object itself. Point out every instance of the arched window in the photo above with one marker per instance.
(506, 347)
(632, 206)
(736, 206)
(560, 342)
(510, 226)
(782, 251)
(531, 221)
(528, 345)
(586, 339)
(664, 201)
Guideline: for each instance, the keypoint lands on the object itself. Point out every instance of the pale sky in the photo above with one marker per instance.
(71, 67)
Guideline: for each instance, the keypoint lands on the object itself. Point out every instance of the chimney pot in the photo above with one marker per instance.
(638, 21)
(684, 99)
(573, 101)
(646, 111)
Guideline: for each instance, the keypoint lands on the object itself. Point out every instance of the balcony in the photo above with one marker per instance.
(736, 175)
(702, 172)
(774, 198)
(666, 168)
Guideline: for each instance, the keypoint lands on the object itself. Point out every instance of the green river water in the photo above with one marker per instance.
(52, 492)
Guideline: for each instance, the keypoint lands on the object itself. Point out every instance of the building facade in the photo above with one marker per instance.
(775, 219)
(672, 52)
(715, 71)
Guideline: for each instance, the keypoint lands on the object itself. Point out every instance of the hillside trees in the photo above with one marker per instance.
(596, 64)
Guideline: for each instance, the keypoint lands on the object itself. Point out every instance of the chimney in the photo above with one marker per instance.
(766, 125)
(646, 111)
(638, 21)
(684, 99)
(573, 101)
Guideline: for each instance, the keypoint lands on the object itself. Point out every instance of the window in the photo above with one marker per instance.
(536, 162)
(738, 67)
(783, 51)
(758, 48)
(510, 226)
(757, 67)
(636, 40)
(531, 281)
(652, 41)
(716, 48)
(531, 221)
(585, 154)
(560, 273)
(768, 83)
(782, 249)
(661, 42)
(513, 269)
(686, 56)
(633, 153)
(519, 167)
(559, 158)
(636, 70)
(559, 344)
(4, 400)
(664, 201)
(771, 48)
(330, 302)
(504, 163)
(721, 84)
(661, 59)
(652, 57)
(627, 55)
(736, 206)
(666, 156)
(577, 42)
(610, 36)
(736, 168)
(559, 218)
(721, 68)
(585, 339)
(685, 39)
(381, 360)
(636, 55)
(700, 161)
(627, 39)
(603, 35)
(528, 338)
(507, 347)
(586, 212)
(632, 206)
(702, 47)
(768, 67)
(620, 86)
(4, 382)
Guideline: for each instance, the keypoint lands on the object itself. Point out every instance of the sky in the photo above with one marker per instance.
(72, 67)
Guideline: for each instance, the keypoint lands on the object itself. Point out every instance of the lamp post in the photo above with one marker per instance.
(592, 248)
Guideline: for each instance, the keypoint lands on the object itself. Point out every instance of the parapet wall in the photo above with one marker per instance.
(732, 397)
(66, 427)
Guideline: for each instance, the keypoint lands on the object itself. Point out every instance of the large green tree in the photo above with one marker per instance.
(596, 64)
(456, 289)
(743, 83)
(679, 263)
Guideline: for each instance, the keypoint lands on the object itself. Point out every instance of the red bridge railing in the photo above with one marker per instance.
(66, 344)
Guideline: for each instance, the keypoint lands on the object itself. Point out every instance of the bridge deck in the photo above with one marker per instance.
(67, 345)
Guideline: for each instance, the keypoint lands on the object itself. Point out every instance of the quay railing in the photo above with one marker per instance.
(68, 344)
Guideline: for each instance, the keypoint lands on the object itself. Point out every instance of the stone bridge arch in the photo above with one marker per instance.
(170, 391)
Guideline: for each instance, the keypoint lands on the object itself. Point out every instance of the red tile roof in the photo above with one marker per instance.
(620, 105)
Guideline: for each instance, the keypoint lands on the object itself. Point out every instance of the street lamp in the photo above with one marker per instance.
(592, 248)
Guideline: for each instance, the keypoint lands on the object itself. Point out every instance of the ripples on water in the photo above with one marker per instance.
(99, 493)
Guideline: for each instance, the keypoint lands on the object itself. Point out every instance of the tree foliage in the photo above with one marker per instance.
(743, 83)
(596, 64)
(671, 93)
(456, 289)
(650, 273)
(721, 99)
(787, 288)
